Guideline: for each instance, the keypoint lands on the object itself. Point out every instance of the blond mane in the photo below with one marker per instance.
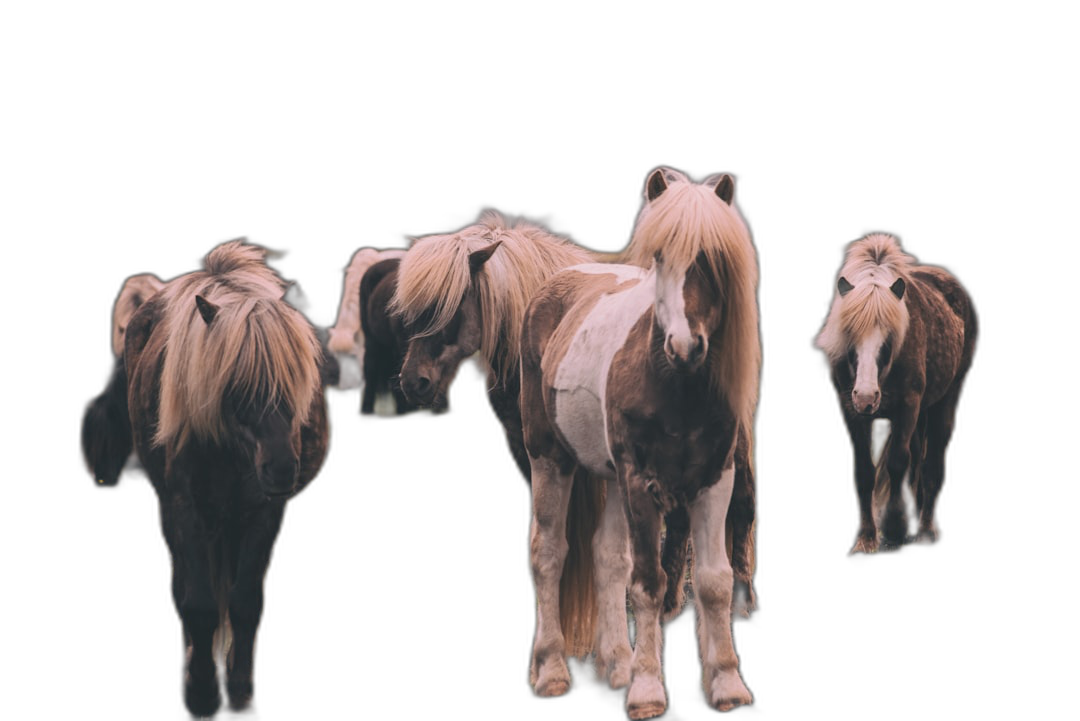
(257, 348)
(872, 264)
(136, 290)
(347, 335)
(688, 219)
(434, 277)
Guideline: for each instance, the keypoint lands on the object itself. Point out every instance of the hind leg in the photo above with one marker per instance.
(740, 520)
(611, 549)
(939, 431)
(373, 375)
(714, 584)
(551, 487)
(253, 545)
(899, 461)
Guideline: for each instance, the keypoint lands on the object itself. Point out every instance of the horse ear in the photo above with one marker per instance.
(843, 286)
(655, 185)
(725, 189)
(477, 258)
(898, 288)
(292, 295)
(206, 309)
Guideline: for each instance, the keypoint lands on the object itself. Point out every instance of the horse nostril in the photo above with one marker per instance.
(423, 384)
(699, 347)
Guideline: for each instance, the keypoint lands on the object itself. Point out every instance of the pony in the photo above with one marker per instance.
(136, 290)
(899, 338)
(643, 382)
(457, 297)
(220, 385)
(346, 336)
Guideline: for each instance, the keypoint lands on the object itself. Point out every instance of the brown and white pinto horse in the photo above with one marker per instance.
(220, 391)
(645, 381)
(900, 338)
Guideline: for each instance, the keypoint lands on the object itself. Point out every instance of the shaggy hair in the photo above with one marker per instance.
(435, 275)
(257, 350)
(872, 264)
(136, 290)
(347, 336)
(688, 219)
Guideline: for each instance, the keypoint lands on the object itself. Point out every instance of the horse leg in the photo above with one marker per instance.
(894, 527)
(673, 560)
(255, 541)
(918, 455)
(611, 549)
(194, 596)
(940, 423)
(859, 430)
(714, 585)
(551, 486)
(648, 584)
(740, 518)
(372, 376)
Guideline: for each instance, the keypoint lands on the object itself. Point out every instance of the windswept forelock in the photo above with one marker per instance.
(257, 349)
(871, 266)
(686, 220)
(434, 277)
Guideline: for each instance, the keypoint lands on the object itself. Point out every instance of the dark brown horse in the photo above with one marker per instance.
(645, 382)
(220, 386)
(385, 339)
(900, 338)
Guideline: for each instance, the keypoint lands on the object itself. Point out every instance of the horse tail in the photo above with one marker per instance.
(106, 429)
(577, 589)
(882, 486)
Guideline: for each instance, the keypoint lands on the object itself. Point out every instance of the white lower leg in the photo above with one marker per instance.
(551, 493)
(713, 581)
(611, 551)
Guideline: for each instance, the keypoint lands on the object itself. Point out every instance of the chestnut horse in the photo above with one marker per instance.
(220, 384)
(900, 338)
(645, 382)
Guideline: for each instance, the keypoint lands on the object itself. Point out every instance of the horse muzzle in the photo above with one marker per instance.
(866, 402)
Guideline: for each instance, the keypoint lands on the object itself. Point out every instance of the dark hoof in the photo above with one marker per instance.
(203, 698)
(240, 694)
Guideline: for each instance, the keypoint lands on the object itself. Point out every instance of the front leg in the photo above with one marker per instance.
(894, 527)
(648, 585)
(253, 540)
(713, 584)
(859, 430)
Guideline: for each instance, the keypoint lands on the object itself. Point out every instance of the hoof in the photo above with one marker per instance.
(865, 544)
(240, 694)
(202, 699)
(728, 691)
(553, 678)
(894, 531)
(615, 667)
(927, 535)
(646, 698)
(743, 600)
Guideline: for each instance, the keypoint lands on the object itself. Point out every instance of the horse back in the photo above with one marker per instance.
(944, 323)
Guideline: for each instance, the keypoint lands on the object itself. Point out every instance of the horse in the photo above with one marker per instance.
(643, 382)
(899, 338)
(135, 291)
(456, 297)
(346, 339)
(385, 339)
(220, 384)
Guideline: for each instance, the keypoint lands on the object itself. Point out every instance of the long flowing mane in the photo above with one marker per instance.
(686, 220)
(346, 335)
(434, 276)
(258, 348)
(137, 289)
(872, 264)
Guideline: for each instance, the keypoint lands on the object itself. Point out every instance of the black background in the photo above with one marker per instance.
(401, 575)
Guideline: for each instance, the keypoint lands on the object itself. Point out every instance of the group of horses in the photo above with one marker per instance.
(626, 384)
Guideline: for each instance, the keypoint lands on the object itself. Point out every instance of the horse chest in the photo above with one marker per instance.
(580, 383)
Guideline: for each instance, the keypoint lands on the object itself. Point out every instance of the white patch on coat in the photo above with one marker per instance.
(581, 380)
